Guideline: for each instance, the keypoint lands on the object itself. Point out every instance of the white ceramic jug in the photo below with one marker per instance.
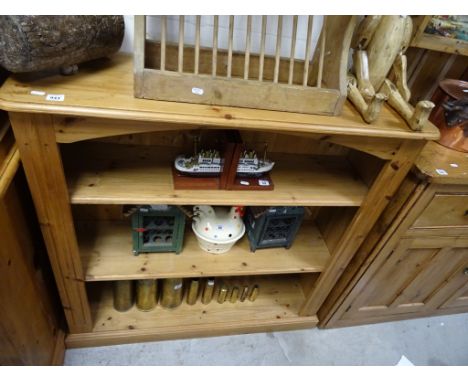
(217, 229)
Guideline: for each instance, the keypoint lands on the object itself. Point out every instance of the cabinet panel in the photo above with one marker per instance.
(418, 275)
(444, 210)
(415, 268)
(459, 284)
(29, 326)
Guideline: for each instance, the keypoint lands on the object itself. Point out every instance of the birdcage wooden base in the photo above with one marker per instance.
(237, 92)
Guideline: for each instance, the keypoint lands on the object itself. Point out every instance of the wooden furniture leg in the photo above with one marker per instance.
(42, 163)
(382, 191)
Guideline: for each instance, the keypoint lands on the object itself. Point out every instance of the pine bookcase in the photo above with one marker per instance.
(101, 148)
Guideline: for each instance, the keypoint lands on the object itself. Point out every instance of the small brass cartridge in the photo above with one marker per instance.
(222, 294)
(234, 294)
(244, 294)
(208, 291)
(254, 293)
(192, 293)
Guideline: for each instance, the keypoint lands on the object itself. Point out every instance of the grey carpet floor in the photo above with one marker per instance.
(430, 341)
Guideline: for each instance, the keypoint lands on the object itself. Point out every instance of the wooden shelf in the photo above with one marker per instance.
(276, 308)
(125, 174)
(106, 254)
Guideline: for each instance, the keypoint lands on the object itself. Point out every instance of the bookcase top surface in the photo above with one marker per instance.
(104, 89)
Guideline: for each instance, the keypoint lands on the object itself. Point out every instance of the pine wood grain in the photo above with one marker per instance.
(7, 140)
(334, 305)
(8, 170)
(29, 324)
(445, 210)
(43, 167)
(106, 254)
(418, 275)
(105, 89)
(382, 191)
(70, 130)
(431, 230)
(437, 157)
(275, 308)
(120, 174)
(134, 175)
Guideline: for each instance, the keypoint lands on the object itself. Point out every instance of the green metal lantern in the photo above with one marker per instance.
(273, 227)
(157, 228)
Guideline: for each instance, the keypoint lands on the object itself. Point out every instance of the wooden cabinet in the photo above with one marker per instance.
(419, 266)
(30, 333)
(418, 275)
(101, 148)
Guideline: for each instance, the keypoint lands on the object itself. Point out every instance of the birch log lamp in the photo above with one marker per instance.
(35, 43)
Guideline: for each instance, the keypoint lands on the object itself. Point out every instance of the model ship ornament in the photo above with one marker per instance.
(206, 163)
(209, 163)
(250, 166)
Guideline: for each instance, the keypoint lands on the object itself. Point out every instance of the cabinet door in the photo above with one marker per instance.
(420, 275)
(29, 326)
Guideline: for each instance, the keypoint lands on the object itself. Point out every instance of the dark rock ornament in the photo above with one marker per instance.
(34, 43)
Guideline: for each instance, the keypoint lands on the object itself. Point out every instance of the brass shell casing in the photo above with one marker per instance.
(192, 293)
(222, 294)
(146, 294)
(254, 293)
(244, 294)
(208, 292)
(172, 293)
(123, 295)
(234, 295)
